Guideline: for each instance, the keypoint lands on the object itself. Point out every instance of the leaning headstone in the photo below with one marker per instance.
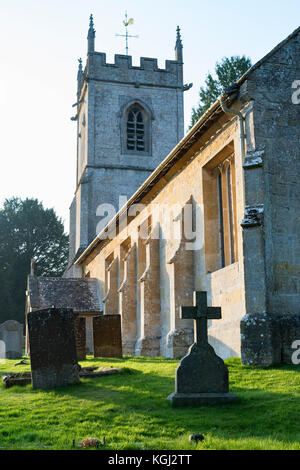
(52, 348)
(11, 333)
(201, 377)
(107, 336)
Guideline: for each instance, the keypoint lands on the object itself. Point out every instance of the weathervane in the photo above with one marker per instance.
(126, 23)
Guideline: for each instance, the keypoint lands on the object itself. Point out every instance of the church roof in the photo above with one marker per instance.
(203, 124)
(82, 295)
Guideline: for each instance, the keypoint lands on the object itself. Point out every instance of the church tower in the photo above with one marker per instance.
(128, 119)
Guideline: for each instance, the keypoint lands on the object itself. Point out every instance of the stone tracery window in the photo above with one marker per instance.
(136, 124)
(135, 130)
(226, 212)
(219, 196)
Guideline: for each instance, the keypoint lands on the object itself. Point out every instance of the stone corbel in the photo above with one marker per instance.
(253, 215)
(254, 159)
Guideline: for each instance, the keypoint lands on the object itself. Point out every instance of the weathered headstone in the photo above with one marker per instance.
(201, 377)
(11, 333)
(2, 349)
(107, 336)
(52, 348)
(80, 337)
(89, 341)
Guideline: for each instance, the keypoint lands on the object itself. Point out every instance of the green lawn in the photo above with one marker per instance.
(133, 412)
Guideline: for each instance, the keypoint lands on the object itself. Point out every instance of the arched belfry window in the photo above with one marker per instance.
(136, 123)
(135, 130)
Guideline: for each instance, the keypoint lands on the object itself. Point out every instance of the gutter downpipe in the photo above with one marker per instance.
(242, 136)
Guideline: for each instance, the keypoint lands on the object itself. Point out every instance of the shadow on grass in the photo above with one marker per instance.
(134, 385)
(138, 401)
(144, 400)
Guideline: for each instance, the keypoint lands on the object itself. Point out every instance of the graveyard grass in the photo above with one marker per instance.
(132, 411)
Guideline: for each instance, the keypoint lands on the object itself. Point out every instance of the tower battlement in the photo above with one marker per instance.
(125, 62)
(122, 70)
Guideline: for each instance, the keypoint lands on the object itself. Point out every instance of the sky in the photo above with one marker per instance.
(41, 41)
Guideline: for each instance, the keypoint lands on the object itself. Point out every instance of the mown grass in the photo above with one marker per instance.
(133, 412)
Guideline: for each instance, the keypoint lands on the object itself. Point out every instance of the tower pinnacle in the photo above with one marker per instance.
(91, 36)
(79, 74)
(79, 67)
(178, 46)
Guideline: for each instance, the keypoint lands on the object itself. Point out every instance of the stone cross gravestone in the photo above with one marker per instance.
(52, 348)
(11, 333)
(202, 376)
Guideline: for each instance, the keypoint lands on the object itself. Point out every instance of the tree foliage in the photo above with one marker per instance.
(27, 231)
(227, 72)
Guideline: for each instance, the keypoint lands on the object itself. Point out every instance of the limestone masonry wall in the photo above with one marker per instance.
(271, 241)
(182, 185)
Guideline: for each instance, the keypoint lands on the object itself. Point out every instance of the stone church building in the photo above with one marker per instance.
(157, 215)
